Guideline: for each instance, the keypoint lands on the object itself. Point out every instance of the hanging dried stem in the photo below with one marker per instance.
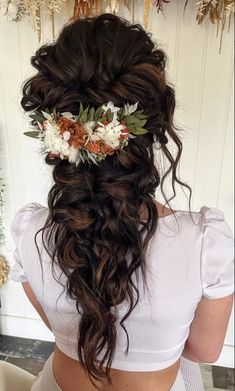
(147, 6)
(113, 6)
(217, 11)
(12, 9)
(133, 11)
(83, 8)
(52, 7)
(99, 7)
(160, 4)
(32, 8)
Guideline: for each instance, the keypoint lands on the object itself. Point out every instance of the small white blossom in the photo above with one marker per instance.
(53, 140)
(47, 116)
(66, 135)
(70, 116)
(74, 156)
(110, 106)
(129, 109)
(89, 127)
(110, 133)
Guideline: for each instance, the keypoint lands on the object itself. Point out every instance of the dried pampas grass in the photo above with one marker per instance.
(4, 270)
(218, 12)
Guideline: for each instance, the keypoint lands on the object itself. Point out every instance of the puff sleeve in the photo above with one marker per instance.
(18, 228)
(217, 255)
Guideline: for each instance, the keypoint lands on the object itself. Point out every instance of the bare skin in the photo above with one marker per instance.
(70, 376)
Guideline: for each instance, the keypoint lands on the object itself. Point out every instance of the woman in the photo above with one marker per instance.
(126, 286)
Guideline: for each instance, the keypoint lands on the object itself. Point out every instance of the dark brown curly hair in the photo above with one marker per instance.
(94, 231)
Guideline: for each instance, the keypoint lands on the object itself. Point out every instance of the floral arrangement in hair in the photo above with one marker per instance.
(91, 135)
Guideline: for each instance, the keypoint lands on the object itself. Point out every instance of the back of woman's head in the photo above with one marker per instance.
(100, 239)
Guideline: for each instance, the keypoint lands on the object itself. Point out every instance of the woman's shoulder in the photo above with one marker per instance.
(204, 213)
(207, 221)
(23, 218)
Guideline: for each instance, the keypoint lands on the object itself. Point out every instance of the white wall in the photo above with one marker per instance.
(203, 79)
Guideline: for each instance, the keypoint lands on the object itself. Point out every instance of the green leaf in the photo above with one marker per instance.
(139, 131)
(140, 116)
(33, 134)
(141, 123)
(37, 117)
(139, 112)
(98, 113)
(131, 120)
(109, 115)
(54, 113)
(103, 119)
(80, 110)
(83, 117)
(121, 113)
(91, 114)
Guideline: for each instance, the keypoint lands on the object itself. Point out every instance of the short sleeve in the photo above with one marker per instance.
(217, 255)
(18, 228)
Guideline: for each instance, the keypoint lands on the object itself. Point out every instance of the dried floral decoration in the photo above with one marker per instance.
(4, 267)
(2, 235)
(91, 135)
(4, 270)
(218, 11)
(160, 4)
(54, 7)
(13, 9)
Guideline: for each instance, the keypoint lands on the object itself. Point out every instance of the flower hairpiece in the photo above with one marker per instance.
(91, 135)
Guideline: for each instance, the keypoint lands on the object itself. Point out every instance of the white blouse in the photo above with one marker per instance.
(186, 260)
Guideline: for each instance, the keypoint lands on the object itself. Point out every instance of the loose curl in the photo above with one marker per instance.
(99, 239)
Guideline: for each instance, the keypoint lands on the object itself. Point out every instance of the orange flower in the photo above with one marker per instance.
(79, 139)
(93, 147)
(106, 149)
(125, 132)
(76, 130)
(66, 124)
(123, 136)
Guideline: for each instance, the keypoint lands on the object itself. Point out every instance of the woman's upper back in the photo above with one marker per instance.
(186, 260)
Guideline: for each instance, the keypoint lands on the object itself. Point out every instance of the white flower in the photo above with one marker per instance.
(66, 135)
(74, 156)
(110, 133)
(51, 131)
(129, 109)
(110, 106)
(89, 127)
(49, 117)
(70, 116)
(53, 140)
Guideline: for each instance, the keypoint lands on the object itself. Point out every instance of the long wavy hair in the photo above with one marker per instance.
(94, 230)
